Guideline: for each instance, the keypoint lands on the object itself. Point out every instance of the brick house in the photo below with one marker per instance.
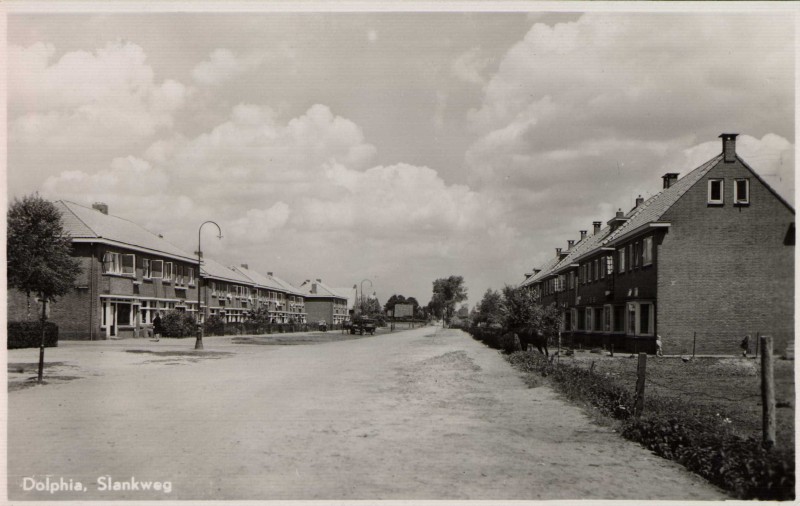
(708, 259)
(324, 303)
(128, 273)
(284, 303)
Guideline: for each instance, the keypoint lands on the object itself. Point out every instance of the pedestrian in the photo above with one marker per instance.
(745, 346)
(157, 328)
(659, 353)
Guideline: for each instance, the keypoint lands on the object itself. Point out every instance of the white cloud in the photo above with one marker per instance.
(223, 65)
(108, 97)
(470, 66)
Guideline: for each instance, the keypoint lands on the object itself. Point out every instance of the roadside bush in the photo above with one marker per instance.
(214, 325)
(178, 324)
(29, 334)
(677, 430)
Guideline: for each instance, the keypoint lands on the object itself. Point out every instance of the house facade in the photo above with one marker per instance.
(323, 303)
(128, 274)
(702, 263)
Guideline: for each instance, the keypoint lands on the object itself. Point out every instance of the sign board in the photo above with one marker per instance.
(401, 310)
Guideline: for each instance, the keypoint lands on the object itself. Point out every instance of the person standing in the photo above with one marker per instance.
(659, 353)
(745, 345)
(157, 327)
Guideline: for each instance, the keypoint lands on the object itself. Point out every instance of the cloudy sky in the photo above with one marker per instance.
(398, 147)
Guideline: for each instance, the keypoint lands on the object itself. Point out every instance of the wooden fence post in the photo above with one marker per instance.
(638, 405)
(767, 392)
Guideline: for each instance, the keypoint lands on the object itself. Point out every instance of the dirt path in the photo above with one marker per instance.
(403, 416)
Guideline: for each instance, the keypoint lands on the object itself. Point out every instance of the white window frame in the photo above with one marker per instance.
(736, 183)
(112, 263)
(647, 251)
(190, 276)
(588, 320)
(157, 273)
(610, 265)
(146, 268)
(169, 271)
(128, 268)
(721, 199)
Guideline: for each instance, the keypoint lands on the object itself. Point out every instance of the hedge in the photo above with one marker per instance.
(678, 431)
(28, 334)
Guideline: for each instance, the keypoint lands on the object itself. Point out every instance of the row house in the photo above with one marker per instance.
(128, 274)
(704, 262)
(324, 303)
(283, 302)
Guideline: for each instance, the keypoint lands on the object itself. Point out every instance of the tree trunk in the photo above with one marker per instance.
(41, 345)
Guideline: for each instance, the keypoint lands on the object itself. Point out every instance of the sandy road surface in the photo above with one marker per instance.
(421, 414)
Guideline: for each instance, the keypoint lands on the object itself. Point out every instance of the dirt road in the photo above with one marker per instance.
(420, 414)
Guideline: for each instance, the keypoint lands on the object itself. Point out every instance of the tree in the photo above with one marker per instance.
(39, 260)
(447, 292)
(521, 310)
(394, 299)
(490, 310)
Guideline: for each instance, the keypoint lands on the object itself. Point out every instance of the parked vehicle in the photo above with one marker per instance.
(362, 325)
(323, 325)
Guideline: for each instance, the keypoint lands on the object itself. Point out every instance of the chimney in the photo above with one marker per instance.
(244, 266)
(583, 235)
(617, 220)
(269, 274)
(669, 179)
(596, 225)
(570, 244)
(319, 280)
(100, 206)
(558, 252)
(639, 201)
(729, 147)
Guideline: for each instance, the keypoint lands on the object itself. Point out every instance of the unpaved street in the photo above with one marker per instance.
(420, 414)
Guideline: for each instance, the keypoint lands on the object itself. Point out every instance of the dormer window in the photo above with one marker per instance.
(715, 191)
(741, 191)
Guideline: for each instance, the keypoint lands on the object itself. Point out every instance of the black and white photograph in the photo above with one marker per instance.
(399, 251)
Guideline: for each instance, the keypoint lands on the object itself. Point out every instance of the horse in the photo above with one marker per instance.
(529, 336)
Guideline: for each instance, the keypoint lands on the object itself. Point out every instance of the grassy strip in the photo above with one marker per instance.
(677, 430)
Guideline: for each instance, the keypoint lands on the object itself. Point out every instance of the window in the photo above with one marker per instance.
(190, 275)
(607, 314)
(117, 263)
(146, 272)
(636, 255)
(588, 319)
(645, 319)
(631, 319)
(621, 259)
(602, 262)
(157, 269)
(168, 271)
(715, 188)
(596, 269)
(111, 263)
(647, 251)
(741, 191)
(610, 264)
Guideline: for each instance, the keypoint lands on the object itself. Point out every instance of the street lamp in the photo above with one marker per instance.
(362, 292)
(198, 345)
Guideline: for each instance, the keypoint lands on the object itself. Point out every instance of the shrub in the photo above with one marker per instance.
(677, 430)
(29, 334)
(178, 324)
(214, 325)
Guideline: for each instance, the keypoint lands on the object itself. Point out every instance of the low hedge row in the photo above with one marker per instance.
(676, 430)
(29, 334)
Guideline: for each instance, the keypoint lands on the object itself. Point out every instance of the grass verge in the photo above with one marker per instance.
(678, 430)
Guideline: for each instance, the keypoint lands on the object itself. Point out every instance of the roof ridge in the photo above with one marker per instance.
(64, 203)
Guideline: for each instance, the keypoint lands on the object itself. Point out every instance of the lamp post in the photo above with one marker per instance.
(362, 293)
(198, 345)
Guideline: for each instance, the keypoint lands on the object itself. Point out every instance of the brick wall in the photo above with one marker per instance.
(724, 271)
(319, 309)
